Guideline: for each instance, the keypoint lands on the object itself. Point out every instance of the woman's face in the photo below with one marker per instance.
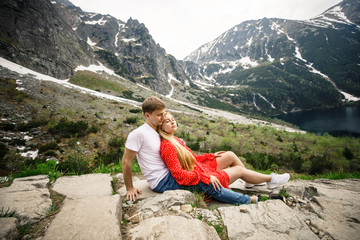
(169, 124)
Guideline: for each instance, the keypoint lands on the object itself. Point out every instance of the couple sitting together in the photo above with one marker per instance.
(168, 164)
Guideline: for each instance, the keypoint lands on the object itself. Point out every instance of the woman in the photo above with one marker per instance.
(220, 169)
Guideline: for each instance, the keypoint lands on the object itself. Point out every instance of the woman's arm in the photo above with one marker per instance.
(181, 176)
(204, 157)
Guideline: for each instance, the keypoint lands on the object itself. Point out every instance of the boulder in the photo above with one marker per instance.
(28, 196)
(174, 228)
(162, 203)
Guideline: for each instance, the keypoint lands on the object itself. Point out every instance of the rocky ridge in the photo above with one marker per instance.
(34, 35)
(273, 65)
(319, 209)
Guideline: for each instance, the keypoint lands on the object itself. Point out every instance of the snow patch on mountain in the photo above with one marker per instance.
(170, 79)
(101, 21)
(94, 68)
(330, 18)
(91, 43)
(272, 105)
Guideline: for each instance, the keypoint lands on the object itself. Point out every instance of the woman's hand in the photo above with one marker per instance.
(219, 154)
(215, 182)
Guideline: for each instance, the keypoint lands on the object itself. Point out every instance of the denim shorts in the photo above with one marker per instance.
(167, 183)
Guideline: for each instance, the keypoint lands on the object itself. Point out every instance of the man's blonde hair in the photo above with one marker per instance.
(152, 104)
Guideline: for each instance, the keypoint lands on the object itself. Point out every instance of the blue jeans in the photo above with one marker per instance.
(222, 195)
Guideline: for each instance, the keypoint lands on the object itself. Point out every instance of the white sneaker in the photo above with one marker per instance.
(277, 180)
(250, 185)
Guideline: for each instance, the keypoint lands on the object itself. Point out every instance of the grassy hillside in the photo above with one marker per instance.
(86, 134)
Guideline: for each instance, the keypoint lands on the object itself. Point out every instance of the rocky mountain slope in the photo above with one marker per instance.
(127, 47)
(34, 34)
(56, 37)
(277, 65)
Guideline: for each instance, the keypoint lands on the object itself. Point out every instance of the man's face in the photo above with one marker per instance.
(155, 118)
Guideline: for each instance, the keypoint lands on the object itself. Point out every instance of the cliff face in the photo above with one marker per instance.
(127, 47)
(55, 37)
(34, 35)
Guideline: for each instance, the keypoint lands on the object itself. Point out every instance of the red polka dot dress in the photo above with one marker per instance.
(204, 167)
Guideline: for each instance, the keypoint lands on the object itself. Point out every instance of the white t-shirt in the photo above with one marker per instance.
(145, 141)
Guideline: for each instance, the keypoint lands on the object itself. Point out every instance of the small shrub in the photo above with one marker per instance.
(135, 110)
(3, 151)
(69, 128)
(106, 158)
(7, 126)
(92, 129)
(117, 142)
(347, 153)
(130, 120)
(260, 161)
(50, 154)
(24, 127)
(73, 165)
(48, 146)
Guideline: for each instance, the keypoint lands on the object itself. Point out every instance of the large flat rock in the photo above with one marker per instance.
(174, 228)
(143, 186)
(333, 206)
(79, 187)
(271, 219)
(90, 210)
(89, 218)
(29, 197)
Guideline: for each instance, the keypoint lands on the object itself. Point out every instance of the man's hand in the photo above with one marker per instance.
(215, 182)
(219, 154)
(132, 194)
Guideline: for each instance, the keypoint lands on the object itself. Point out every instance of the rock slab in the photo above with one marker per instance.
(90, 210)
(174, 228)
(29, 197)
(8, 228)
(265, 220)
(333, 206)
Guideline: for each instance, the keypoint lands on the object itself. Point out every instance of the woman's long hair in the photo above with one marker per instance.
(186, 158)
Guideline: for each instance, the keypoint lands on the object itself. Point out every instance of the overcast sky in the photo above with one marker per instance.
(181, 26)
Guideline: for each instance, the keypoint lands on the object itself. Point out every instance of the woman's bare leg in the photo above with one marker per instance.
(228, 159)
(246, 175)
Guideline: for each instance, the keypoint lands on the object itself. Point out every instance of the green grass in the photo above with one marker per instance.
(330, 175)
(95, 82)
(7, 213)
(48, 168)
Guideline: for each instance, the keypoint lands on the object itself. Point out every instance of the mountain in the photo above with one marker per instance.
(277, 65)
(34, 34)
(56, 37)
(127, 47)
(265, 67)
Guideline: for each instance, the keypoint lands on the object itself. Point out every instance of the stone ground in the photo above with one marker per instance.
(90, 208)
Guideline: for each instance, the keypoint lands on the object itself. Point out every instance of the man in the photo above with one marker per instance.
(144, 143)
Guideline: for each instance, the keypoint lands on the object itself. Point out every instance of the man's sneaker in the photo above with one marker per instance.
(278, 180)
(250, 185)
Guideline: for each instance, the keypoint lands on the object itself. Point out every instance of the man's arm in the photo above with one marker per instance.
(131, 193)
